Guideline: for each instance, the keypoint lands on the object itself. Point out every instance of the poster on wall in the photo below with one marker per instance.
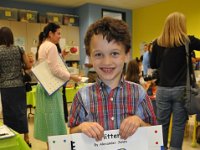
(114, 14)
(62, 43)
(20, 41)
(34, 50)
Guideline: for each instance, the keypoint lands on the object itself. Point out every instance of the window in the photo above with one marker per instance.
(114, 14)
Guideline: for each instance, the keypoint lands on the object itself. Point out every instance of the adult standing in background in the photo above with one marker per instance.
(169, 56)
(49, 115)
(145, 61)
(13, 93)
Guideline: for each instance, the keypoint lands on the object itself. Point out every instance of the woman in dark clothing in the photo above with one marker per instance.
(13, 93)
(169, 56)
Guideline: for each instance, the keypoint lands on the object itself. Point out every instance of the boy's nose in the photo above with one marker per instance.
(107, 60)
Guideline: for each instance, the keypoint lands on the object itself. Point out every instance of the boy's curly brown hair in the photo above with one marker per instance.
(111, 29)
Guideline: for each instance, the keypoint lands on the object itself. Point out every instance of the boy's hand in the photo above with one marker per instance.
(129, 125)
(92, 129)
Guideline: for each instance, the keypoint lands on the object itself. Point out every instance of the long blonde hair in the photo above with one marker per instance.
(174, 31)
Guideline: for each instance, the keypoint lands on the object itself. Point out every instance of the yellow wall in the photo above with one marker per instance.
(148, 21)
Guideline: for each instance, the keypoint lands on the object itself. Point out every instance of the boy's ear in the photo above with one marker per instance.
(127, 57)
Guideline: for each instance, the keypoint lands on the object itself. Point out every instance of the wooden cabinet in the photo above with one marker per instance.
(33, 31)
(4, 23)
(71, 35)
(26, 35)
(20, 33)
(42, 25)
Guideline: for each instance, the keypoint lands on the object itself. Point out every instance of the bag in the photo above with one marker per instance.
(26, 80)
(192, 101)
(26, 76)
(28, 87)
(192, 97)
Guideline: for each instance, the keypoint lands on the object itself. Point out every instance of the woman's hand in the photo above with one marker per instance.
(64, 53)
(75, 78)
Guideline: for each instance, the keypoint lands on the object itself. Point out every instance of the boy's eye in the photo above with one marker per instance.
(115, 54)
(98, 55)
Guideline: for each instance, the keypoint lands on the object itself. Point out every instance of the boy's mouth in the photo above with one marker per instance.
(107, 69)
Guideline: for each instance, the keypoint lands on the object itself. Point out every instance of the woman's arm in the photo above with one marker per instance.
(153, 58)
(52, 60)
(26, 61)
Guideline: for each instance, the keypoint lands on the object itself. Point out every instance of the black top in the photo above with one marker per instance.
(11, 66)
(172, 63)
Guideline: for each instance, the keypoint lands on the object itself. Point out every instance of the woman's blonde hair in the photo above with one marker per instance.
(174, 31)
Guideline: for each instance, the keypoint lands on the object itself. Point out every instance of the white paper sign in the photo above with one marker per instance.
(5, 132)
(145, 138)
(44, 75)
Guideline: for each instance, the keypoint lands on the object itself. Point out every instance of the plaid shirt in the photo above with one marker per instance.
(99, 103)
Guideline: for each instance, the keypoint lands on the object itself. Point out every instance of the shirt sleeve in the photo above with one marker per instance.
(77, 111)
(194, 43)
(153, 57)
(145, 108)
(52, 60)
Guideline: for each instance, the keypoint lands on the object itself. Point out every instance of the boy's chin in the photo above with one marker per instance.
(108, 77)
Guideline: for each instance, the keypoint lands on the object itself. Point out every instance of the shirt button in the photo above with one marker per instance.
(112, 118)
(111, 99)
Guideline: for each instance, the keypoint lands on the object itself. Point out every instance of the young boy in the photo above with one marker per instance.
(111, 102)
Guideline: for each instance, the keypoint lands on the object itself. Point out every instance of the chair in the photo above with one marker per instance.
(194, 140)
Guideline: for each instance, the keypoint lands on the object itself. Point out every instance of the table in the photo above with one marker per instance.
(70, 93)
(13, 143)
(30, 96)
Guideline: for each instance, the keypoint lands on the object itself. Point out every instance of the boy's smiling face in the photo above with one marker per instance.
(108, 59)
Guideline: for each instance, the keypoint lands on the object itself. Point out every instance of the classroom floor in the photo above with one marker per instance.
(38, 145)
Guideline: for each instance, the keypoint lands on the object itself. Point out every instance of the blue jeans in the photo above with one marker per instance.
(169, 100)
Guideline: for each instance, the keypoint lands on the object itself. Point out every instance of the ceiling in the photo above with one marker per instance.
(125, 4)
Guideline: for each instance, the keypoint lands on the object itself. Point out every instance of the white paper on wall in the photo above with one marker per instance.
(20, 41)
(34, 50)
(62, 43)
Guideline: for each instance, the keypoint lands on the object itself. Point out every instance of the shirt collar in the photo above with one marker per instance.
(102, 84)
